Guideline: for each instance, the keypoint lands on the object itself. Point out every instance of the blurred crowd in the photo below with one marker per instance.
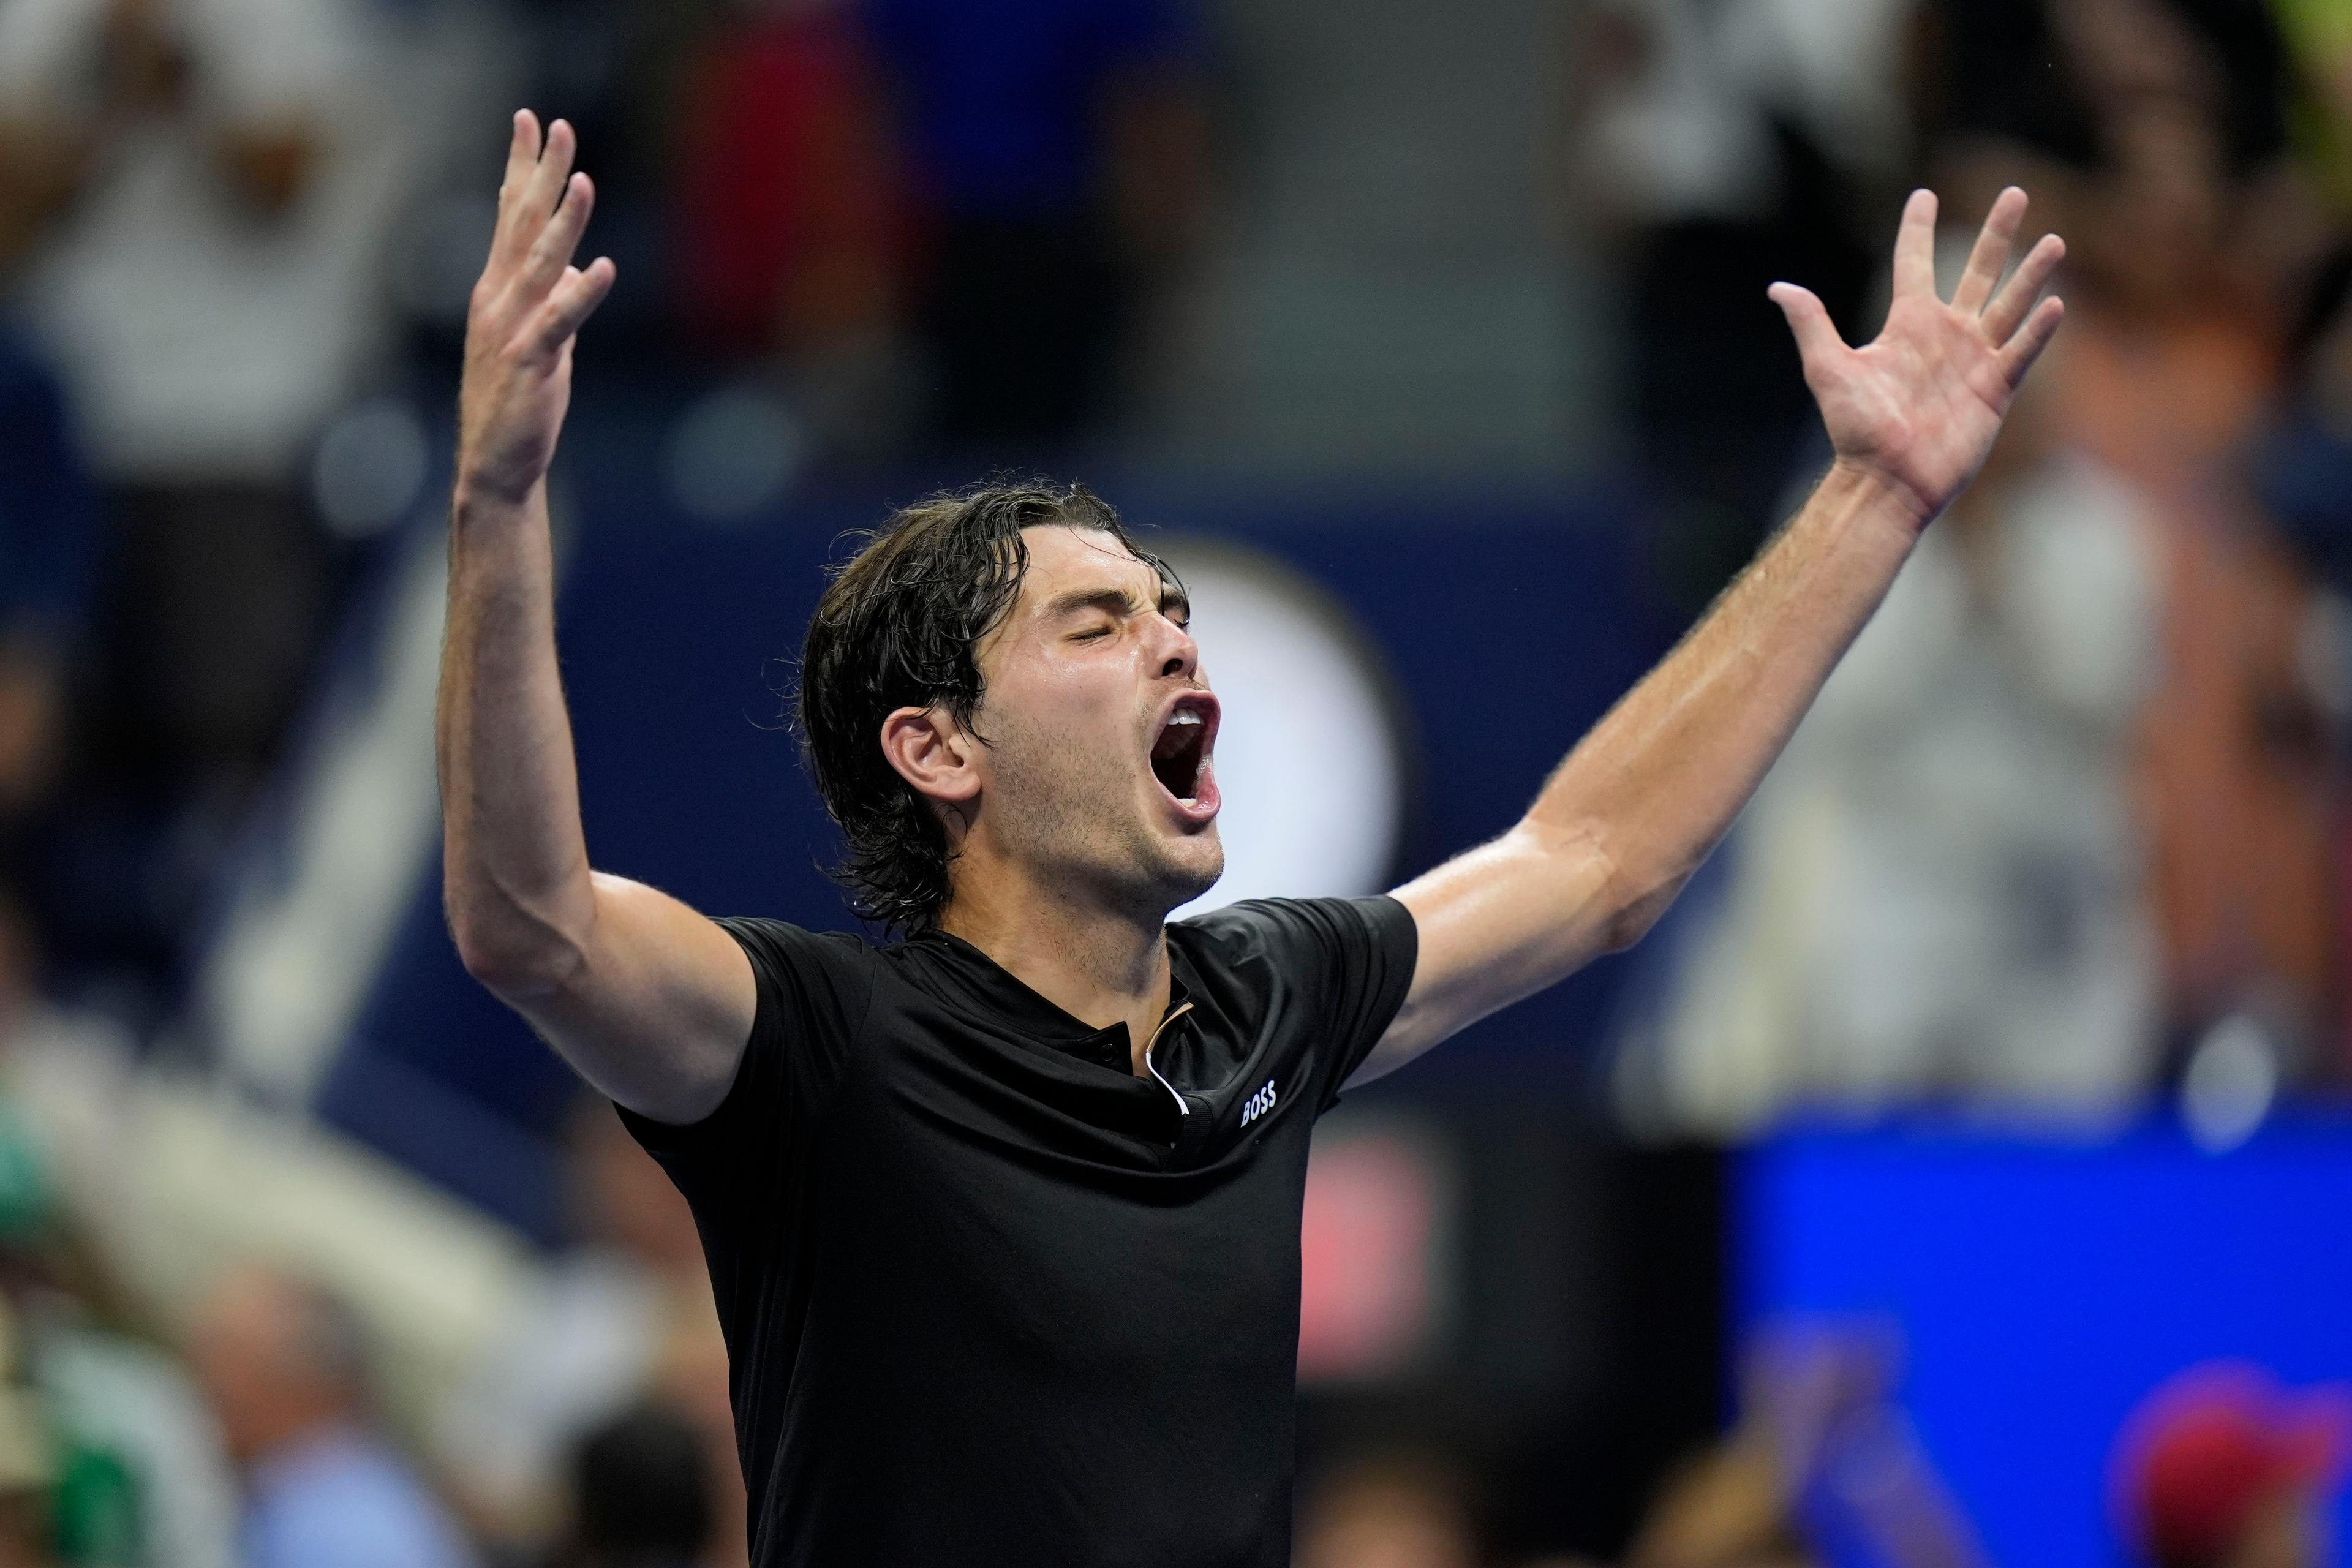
(2220, 1466)
(237, 238)
(2067, 826)
(275, 1418)
(2067, 830)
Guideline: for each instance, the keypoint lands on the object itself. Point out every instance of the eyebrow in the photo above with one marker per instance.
(1114, 601)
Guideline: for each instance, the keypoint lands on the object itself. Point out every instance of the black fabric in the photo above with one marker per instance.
(989, 1297)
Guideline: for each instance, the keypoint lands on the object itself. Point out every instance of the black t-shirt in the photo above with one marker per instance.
(990, 1297)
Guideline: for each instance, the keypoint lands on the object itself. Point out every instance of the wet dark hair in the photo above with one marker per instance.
(898, 627)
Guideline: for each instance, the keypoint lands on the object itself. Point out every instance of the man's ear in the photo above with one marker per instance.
(933, 753)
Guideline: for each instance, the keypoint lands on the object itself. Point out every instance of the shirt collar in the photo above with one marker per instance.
(1002, 992)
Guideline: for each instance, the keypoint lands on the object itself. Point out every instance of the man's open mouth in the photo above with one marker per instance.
(1182, 745)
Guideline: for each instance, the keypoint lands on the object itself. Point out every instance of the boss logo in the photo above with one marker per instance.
(1258, 1104)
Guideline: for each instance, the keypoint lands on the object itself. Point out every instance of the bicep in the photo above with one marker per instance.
(659, 1010)
(1496, 924)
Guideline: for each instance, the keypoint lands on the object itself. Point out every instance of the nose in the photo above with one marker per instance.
(1180, 656)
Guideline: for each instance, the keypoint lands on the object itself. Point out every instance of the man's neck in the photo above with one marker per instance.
(1100, 967)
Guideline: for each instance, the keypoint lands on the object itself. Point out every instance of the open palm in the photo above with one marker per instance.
(526, 312)
(1919, 407)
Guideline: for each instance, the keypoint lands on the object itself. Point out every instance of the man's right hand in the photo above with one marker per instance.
(526, 313)
(652, 1002)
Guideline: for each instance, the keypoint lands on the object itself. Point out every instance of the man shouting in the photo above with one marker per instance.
(1003, 1213)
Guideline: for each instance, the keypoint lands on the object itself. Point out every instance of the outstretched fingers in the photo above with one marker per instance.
(522, 152)
(1915, 246)
(573, 299)
(2016, 357)
(2013, 305)
(1992, 251)
(522, 157)
(551, 253)
(527, 202)
(1817, 342)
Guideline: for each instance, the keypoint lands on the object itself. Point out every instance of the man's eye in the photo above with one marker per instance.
(1090, 634)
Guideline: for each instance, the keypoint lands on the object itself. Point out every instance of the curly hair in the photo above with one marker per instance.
(899, 626)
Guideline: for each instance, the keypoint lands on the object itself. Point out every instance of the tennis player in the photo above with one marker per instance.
(1003, 1213)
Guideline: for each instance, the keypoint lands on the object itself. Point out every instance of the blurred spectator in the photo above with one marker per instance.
(1715, 148)
(1821, 1466)
(2058, 79)
(2181, 292)
(201, 191)
(211, 286)
(285, 1366)
(143, 1478)
(141, 1474)
(1940, 888)
(611, 1319)
(2153, 134)
(2221, 1468)
(792, 211)
(1057, 151)
(1388, 1511)
(640, 1494)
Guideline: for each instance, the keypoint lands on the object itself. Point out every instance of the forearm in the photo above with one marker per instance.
(1655, 784)
(514, 859)
(1624, 821)
(650, 1001)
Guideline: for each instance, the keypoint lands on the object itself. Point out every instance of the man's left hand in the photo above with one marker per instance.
(1918, 408)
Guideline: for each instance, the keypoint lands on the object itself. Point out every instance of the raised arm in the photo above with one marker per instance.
(1638, 804)
(648, 1000)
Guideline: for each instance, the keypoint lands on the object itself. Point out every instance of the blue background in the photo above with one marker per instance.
(2044, 1287)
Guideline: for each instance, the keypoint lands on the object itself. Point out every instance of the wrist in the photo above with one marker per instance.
(475, 500)
(1874, 493)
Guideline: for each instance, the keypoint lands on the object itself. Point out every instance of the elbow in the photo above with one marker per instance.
(509, 970)
(515, 956)
(1629, 893)
(1631, 916)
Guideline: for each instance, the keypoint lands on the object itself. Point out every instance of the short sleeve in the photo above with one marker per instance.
(813, 990)
(1337, 968)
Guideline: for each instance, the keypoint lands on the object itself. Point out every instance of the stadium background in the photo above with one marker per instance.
(1989, 1080)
